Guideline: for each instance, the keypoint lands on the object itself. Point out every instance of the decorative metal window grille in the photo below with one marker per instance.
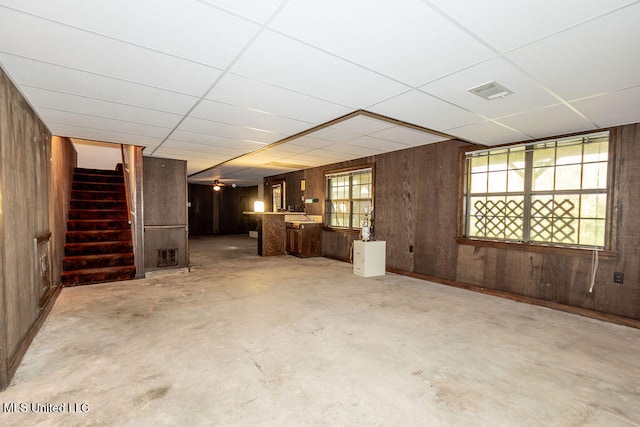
(551, 192)
(349, 198)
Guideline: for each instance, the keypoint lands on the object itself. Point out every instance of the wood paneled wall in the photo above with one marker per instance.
(64, 159)
(165, 210)
(25, 175)
(566, 279)
(200, 210)
(293, 196)
(416, 197)
(221, 212)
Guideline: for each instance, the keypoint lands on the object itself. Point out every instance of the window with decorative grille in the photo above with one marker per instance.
(349, 198)
(550, 192)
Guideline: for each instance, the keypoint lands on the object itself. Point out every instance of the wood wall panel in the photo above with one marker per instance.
(293, 194)
(232, 203)
(416, 197)
(25, 168)
(273, 235)
(165, 191)
(200, 210)
(395, 206)
(165, 210)
(437, 184)
(64, 159)
(165, 238)
(566, 279)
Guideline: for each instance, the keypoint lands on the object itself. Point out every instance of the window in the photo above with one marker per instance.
(549, 192)
(349, 198)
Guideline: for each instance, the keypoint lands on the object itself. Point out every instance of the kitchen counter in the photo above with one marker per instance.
(272, 230)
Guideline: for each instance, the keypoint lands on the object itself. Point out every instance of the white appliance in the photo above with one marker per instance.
(369, 258)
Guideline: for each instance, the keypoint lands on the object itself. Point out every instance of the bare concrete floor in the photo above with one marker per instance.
(245, 340)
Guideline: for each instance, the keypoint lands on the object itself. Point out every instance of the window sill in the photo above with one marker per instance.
(540, 248)
(341, 230)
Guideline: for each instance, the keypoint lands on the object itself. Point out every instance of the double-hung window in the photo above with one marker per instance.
(550, 192)
(349, 198)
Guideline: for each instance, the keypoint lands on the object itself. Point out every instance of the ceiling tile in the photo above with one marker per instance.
(207, 35)
(65, 80)
(556, 120)
(258, 10)
(217, 151)
(287, 63)
(612, 109)
(81, 50)
(424, 110)
(241, 116)
(307, 141)
(353, 150)
(590, 59)
(325, 156)
(362, 125)
(41, 98)
(63, 117)
(72, 131)
(506, 24)
(408, 136)
(208, 127)
(287, 149)
(402, 39)
(488, 133)
(527, 94)
(333, 134)
(377, 143)
(260, 96)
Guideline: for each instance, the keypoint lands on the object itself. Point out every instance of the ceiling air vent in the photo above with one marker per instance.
(490, 91)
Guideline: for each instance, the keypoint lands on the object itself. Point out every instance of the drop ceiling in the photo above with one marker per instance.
(243, 89)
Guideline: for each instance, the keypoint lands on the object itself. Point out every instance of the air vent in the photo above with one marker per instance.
(167, 257)
(490, 91)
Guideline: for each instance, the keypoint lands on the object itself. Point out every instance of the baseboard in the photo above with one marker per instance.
(33, 331)
(612, 318)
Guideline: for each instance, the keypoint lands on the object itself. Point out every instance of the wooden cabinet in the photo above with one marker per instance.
(304, 239)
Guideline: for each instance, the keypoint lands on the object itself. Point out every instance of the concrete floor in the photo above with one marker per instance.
(245, 340)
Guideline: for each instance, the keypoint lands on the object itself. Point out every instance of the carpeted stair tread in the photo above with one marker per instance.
(97, 186)
(99, 244)
(95, 248)
(85, 236)
(81, 262)
(98, 224)
(98, 171)
(98, 204)
(97, 214)
(97, 195)
(85, 177)
(98, 275)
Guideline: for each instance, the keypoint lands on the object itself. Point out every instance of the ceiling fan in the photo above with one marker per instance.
(217, 185)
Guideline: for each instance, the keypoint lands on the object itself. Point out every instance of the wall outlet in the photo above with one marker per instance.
(411, 248)
(618, 277)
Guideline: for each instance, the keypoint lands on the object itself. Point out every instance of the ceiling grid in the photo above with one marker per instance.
(242, 89)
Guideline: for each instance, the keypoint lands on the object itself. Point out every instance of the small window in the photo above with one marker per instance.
(349, 198)
(550, 192)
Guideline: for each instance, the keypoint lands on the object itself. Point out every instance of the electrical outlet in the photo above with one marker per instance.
(411, 248)
(618, 277)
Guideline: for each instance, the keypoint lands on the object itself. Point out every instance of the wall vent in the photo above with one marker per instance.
(167, 257)
(490, 91)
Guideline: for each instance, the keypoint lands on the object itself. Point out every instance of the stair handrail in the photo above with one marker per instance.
(127, 185)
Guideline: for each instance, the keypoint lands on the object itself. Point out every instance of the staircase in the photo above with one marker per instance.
(99, 246)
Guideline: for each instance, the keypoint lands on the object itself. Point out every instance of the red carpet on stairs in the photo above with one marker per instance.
(99, 246)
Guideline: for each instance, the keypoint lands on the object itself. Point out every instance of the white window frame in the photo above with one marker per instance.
(354, 207)
(523, 199)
